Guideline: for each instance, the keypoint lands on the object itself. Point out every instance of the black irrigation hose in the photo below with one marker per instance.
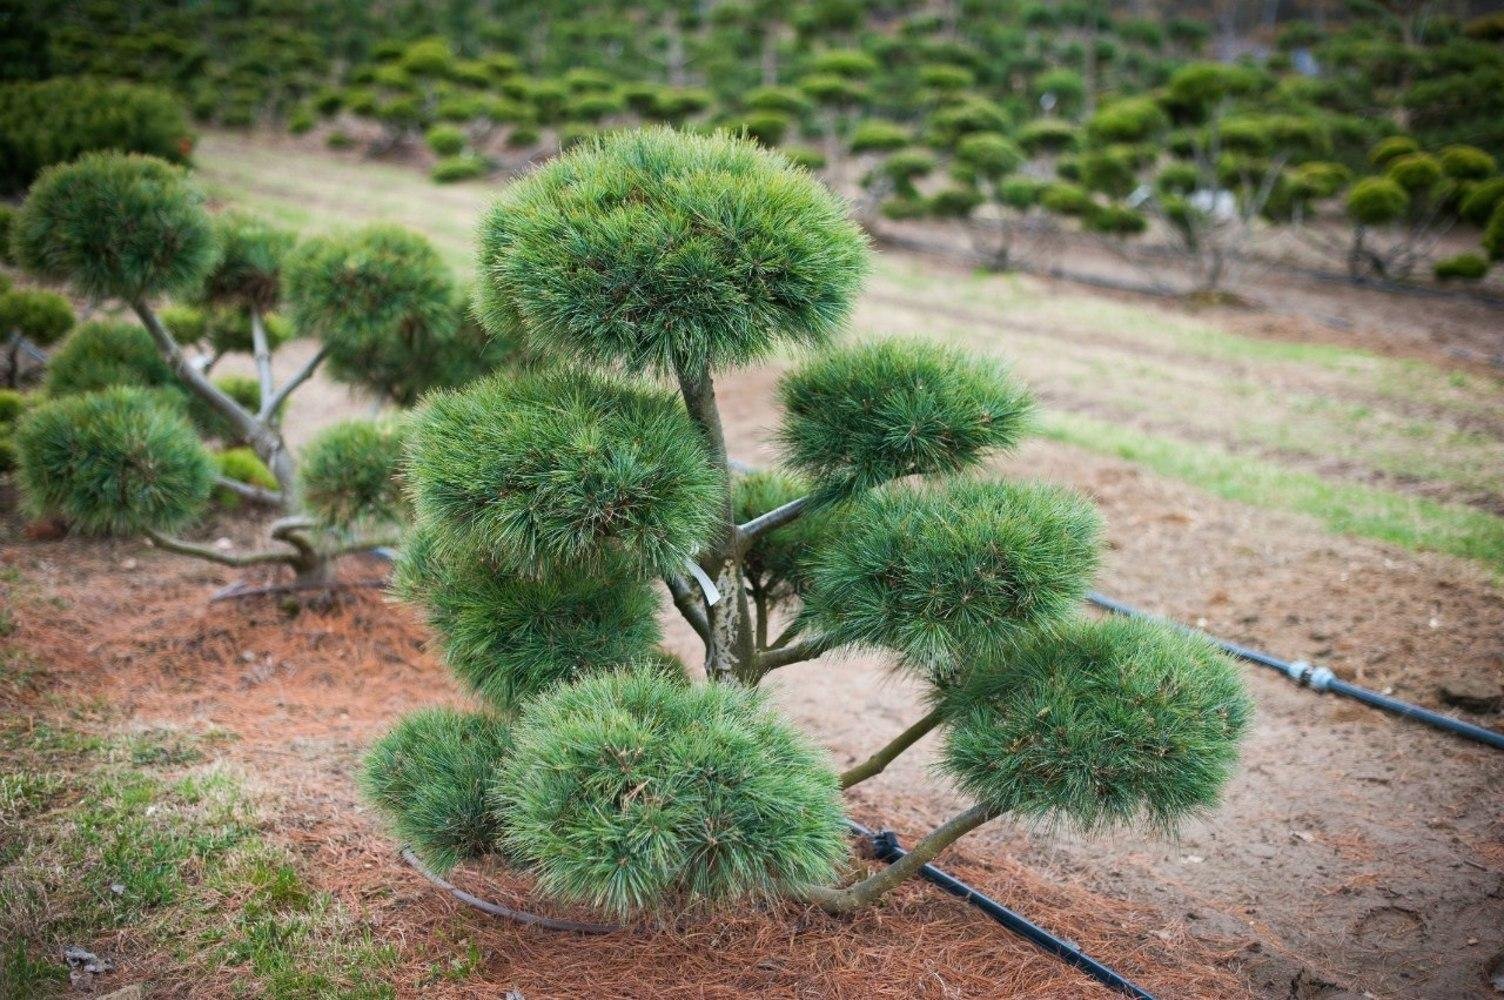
(1320, 679)
(888, 850)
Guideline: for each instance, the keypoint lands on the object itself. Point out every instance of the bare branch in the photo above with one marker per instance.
(872, 888)
(262, 351)
(244, 422)
(776, 518)
(212, 554)
(269, 406)
(771, 659)
(689, 607)
(878, 762)
(247, 491)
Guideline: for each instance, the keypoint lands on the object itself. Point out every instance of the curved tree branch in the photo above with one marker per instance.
(774, 519)
(248, 491)
(262, 351)
(689, 607)
(497, 910)
(878, 762)
(269, 406)
(878, 884)
(771, 659)
(209, 552)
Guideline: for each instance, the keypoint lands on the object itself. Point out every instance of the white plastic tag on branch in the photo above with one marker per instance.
(712, 595)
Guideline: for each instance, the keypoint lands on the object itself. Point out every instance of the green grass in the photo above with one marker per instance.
(112, 841)
(1342, 507)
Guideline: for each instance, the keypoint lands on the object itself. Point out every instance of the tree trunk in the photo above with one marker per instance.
(730, 652)
(770, 55)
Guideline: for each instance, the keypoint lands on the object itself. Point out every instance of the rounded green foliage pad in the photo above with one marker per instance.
(859, 416)
(1097, 724)
(654, 248)
(511, 637)
(381, 302)
(116, 226)
(429, 775)
(564, 472)
(632, 792)
(351, 473)
(943, 573)
(115, 461)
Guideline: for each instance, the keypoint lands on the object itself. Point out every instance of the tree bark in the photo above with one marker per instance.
(879, 884)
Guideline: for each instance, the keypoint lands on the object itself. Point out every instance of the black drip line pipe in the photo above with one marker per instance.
(887, 849)
(1320, 679)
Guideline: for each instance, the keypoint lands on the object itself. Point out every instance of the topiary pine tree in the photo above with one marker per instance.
(134, 229)
(549, 504)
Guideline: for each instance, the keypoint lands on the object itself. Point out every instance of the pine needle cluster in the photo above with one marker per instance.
(564, 472)
(510, 637)
(248, 274)
(117, 461)
(654, 249)
(942, 573)
(116, 226)
(429, 777)
(631, 792)
(351, 473)
(1097, 724)
(382, 303)
(860, 416)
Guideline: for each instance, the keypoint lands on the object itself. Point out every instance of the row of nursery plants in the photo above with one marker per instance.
(1373, 146)
(553, 513)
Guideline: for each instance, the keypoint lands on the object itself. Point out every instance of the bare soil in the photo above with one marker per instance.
(1356, 853)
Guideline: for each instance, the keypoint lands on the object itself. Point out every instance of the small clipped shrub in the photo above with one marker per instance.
(461, 167)
(1481, 200)
(1097, 724)
(351, 473)
(41, 317)
(1467, 163)
(113, 462)
(1386, 151)
(116, 226)
(511, 637)
(244, 466)
(709, 798)
(1462, 267)
(1377, 201)
(1417, 173)
(989, 154)
(445, 140)
(429, 775)
(874, 135)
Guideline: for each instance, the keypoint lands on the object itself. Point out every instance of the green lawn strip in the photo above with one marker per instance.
(102, 836)
(1344, 508)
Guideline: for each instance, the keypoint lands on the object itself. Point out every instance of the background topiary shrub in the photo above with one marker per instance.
(113, 462)
(133, 228)
(54, 121)
(382, 303)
